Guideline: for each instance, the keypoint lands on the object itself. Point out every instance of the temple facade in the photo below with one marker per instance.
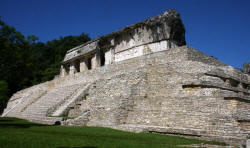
(155, 34)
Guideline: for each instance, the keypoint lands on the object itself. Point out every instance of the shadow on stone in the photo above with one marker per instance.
(57, 123)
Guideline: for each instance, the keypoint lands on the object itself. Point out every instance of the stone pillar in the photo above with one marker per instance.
(72, 69)
(246, 68)
(112, 55)
(112, 51)
(98, 57)
(240, 85)
(108, 57)
(62, 71)
(248, 143)
(95, 62)
(83, 65)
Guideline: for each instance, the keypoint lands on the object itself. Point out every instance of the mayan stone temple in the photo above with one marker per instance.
(143, 78)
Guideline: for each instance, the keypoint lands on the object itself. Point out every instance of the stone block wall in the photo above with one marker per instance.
(176, 91)
(180, 92)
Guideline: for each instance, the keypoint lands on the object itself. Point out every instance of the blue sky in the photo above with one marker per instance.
(219, 28)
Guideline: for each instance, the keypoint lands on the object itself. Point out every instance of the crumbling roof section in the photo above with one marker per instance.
(172, 19)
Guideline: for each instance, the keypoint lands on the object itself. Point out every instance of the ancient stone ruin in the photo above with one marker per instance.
(155, 34)
(246, 68)
(143, 79)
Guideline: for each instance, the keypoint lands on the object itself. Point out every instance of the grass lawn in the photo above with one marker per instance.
(17, 133)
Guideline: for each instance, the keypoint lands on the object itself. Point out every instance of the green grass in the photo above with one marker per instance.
(17, 133)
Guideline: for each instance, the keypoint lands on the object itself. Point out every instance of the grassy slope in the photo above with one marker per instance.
(15, 133)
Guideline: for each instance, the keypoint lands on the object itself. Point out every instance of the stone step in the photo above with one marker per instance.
(39, 109)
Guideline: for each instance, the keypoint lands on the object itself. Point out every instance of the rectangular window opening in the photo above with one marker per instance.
(102, 57)
(89, 63)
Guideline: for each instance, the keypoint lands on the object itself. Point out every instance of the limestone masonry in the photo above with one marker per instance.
(143, 79)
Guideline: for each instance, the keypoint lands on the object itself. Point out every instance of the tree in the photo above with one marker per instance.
(3, 94)
(27, 61)
(15, 58)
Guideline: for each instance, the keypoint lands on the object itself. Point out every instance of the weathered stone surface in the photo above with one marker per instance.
(165, 92)
(148, 84)
(246, 67)
(248, 143)
(157, 33)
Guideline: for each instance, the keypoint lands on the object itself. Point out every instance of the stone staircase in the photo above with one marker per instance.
(34, 104)
(27, 100)
(65, 105)
(40, 110)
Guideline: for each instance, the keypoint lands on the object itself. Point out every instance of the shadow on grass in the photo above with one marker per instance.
(18, 125)
(5, 120)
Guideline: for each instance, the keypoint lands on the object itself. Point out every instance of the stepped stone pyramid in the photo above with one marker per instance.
(143, 78)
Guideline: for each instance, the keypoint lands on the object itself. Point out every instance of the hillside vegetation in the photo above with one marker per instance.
(25, 61)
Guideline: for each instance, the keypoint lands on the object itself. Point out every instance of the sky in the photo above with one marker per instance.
(219, 28)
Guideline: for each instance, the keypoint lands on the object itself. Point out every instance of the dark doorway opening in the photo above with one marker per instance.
(66, 67)
(89, 63)
(77, 66)
(102, 57)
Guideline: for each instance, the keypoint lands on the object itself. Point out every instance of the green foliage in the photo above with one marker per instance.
(3, 94)
(26, 61)
(20, 133)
